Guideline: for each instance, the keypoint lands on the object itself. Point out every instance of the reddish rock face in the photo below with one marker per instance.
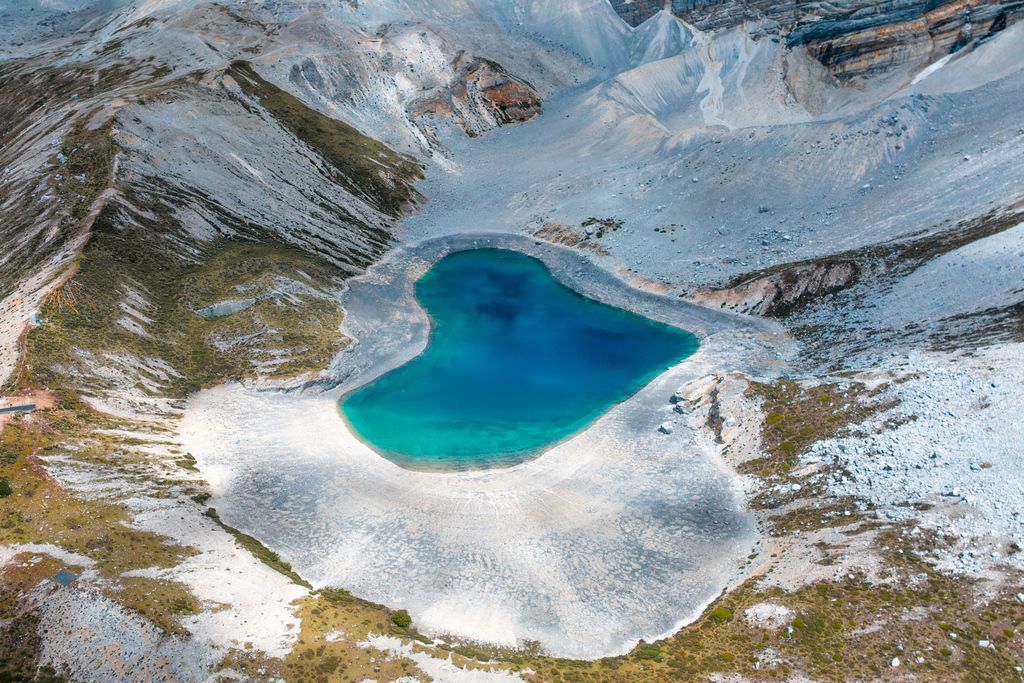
(776, 293)
(482, 95)
(512, 100)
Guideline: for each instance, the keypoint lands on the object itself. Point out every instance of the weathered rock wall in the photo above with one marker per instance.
(480, 96)
(852, 38)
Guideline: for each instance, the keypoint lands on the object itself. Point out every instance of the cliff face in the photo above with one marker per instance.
(852, 38)
(480, 96)
(635, 12)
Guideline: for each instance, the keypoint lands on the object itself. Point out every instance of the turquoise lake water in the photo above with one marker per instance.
(516, 361)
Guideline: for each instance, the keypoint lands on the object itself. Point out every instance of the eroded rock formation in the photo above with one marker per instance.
(568, 236)
(481, 95)
(777, 292)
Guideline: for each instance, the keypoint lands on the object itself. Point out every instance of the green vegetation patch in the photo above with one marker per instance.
(84, 167)
(40, 511)
(159, 600)
(721, 614)
(401, 619)
(796, 417)
(260, 551)
(20, 642)
(327, 651)
(133, 277)
(647, 651)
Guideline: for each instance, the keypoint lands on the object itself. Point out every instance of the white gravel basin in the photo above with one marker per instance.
(619, 533)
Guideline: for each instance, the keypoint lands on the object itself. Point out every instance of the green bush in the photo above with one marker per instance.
(401, 619)
(648, 651)
(721, 614)
(336, 596)
(5, 487)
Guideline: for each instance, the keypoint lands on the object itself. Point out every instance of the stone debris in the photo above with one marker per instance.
(768, 615)
(947, 414)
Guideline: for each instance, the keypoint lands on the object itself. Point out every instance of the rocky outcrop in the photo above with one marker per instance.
(785, 288)
(874, 38)
(481, 95)
(635, 12)
(852, 38)
(568, 236)
(775, 293)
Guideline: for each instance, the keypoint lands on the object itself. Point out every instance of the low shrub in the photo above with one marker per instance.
(721, 614)
(648, 651)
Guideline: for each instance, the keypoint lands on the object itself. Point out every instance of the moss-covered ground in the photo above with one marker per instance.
(132, 278)
(796, 417)
(41, 511)
(333, 624)
(259, 551)
(84, 166)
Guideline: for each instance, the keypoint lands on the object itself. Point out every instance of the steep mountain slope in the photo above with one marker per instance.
(187, 187)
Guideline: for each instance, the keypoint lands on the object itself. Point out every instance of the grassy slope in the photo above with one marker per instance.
(364, 166)
(203, 351)
(135, 255)
(40, 510)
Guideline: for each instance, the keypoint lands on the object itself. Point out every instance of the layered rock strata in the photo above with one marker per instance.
(852, 38)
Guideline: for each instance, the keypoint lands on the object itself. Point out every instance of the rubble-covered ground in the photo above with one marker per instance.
(187, 190)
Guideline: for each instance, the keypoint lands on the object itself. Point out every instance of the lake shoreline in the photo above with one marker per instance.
(387, 286)
(619, 533)
(516, 363)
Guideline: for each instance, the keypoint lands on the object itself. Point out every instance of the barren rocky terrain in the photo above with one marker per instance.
(201, 209)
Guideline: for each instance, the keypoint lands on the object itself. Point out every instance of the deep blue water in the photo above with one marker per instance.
(516, 361)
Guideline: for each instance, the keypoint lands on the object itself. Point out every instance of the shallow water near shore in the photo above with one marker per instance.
(516, 362)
